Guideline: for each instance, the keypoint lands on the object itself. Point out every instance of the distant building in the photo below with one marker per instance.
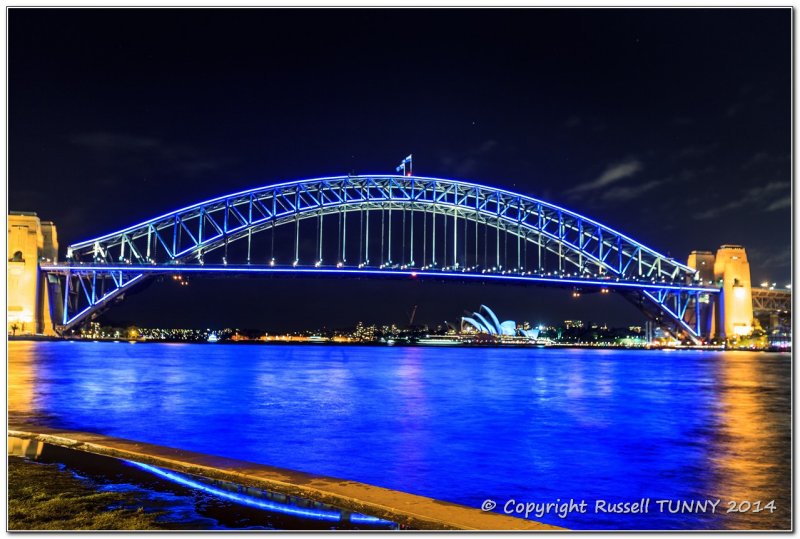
(365, 333)
(30, 241)
(573, 324)
(492, 325)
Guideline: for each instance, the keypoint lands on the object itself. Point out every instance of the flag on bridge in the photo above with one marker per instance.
(402, 166)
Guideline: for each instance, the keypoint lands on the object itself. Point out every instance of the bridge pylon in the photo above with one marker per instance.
(31, 242)
(729, 314)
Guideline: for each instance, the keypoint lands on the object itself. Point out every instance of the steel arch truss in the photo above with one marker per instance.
(187, 233)
(767, 301)
(184, 236)
(88, 291)
(683, 311)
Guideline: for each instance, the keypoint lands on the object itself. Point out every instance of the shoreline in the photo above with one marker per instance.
(403, 508)
(50, 497)
(710, 348)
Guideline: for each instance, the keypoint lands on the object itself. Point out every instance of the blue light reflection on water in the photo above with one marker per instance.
(463, 425)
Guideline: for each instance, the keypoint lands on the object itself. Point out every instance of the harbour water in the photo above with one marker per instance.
(466, 425)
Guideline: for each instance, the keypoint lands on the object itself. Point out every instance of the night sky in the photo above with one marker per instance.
(672, 126)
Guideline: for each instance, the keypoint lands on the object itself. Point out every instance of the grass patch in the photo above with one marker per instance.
(44, 497)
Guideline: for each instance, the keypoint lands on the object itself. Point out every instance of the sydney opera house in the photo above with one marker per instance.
(485, 321)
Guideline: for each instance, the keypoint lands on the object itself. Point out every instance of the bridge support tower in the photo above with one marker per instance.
(30, 241)
(731, 315)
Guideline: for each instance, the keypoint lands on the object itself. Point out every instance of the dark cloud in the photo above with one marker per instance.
(768, 197)
(762, 159)
(114, 142)
(467, 164)
(612, 173)
(696, 151)
(138, 150)
(785, 202)
(629, 192)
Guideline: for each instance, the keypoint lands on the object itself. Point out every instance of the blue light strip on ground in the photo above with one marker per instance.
(315, 514)
(355, 272)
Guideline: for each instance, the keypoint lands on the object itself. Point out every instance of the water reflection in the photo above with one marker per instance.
(753, 437)
(21, 447)
(411, 409)
(22, 379)
(463, 425)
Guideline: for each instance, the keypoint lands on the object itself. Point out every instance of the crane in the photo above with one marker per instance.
(413, 314)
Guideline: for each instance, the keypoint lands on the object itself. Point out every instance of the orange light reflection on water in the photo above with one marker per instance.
(21, 383)
(751, 456)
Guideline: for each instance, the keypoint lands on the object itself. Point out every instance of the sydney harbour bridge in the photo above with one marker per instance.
(400, 226)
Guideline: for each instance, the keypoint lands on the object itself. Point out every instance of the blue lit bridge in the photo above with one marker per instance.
(406, 227)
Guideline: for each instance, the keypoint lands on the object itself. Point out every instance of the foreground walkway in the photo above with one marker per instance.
(406, 509)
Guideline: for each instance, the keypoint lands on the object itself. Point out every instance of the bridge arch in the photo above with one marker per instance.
(582, 247)
(209, 225)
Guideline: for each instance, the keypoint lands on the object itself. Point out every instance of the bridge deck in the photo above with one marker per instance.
(230, 269)
(408, 509)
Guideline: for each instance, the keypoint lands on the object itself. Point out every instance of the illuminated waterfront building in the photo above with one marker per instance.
(492, 325)
(365, 333)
